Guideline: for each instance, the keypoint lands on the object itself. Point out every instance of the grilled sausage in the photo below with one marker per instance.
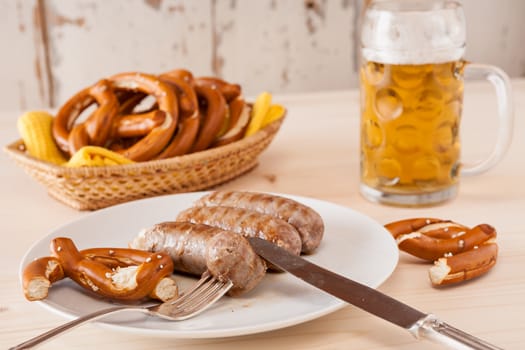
(307, 221)
(247, 223)
(195, 248)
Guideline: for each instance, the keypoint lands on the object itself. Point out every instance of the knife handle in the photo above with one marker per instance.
(431, 328)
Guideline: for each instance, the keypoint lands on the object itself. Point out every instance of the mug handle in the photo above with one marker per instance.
(501, 82)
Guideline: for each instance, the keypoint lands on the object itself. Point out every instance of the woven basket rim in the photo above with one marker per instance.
(175, 163)
(92, 188)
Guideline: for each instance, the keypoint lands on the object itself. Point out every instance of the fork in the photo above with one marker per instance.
(198, 298)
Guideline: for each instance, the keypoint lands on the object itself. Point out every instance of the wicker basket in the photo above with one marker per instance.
(91, 188)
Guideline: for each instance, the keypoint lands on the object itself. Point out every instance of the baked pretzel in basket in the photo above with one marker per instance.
(188, 127)
(96, 129)
(189, 115)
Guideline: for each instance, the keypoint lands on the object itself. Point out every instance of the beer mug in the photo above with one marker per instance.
(411, 81)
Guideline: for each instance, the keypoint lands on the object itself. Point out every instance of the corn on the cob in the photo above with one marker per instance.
(275, 112)
(260, 108)
(35, 129)
(96, 156)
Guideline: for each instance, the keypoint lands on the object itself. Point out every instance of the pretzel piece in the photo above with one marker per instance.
(38, 276)
(403, 227)
(464, 266)
(459, 253)
(421, 237)
(114, 273)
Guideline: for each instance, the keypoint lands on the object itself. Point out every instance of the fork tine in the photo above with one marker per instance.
(205, 278)
(194, 301)
(202, 299)
(207, 294)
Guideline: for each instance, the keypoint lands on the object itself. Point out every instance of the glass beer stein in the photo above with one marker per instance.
(411, 80)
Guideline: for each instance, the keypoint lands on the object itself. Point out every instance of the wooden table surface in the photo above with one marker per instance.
(316, 155)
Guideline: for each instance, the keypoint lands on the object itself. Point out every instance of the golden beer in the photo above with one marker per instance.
(410, 116)
(411, 102)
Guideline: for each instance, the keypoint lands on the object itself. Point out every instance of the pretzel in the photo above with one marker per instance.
(422, 241)
(153, 143)
(188, 127)
(239, 118)
(213, 118)
(183, 74)
(157, 125)
(459, 253)
(229, 91)
(117, 273)
(129, 100)
(189, 115)
(464, 266)
(95, 131)
(138, 124)
(403, 227)
(182, 83)
(183, 141)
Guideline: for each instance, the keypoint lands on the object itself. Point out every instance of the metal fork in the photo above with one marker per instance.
(191, 303)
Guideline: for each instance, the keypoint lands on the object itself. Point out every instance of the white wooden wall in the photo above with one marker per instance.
(53, 48)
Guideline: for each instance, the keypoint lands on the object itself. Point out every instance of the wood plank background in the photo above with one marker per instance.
(53, 48)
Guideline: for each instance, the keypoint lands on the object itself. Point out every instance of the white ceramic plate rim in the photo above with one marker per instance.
(354, 245)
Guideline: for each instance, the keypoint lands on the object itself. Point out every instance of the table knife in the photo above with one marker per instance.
(421, 325)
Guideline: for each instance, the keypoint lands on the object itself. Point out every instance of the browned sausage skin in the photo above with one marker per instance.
(247, 223)
(195, 248)
(307, 221)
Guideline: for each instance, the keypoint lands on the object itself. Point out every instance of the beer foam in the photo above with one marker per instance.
(413, 36)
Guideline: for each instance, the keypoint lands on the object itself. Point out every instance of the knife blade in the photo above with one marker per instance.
(419, 324)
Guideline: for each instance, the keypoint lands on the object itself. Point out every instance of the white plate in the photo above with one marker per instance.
(354, 245)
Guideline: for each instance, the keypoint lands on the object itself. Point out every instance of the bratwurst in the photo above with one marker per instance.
(307, 221)
(195, 248)
(247, 223)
